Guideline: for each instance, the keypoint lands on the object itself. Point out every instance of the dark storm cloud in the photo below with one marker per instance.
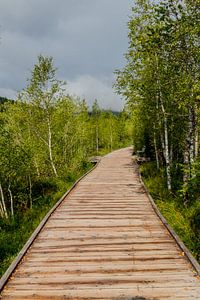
(87, 39)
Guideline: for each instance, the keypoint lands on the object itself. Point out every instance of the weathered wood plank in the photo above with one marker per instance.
(109, 293)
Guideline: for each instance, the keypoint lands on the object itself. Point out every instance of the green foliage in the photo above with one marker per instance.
(161, 84)
(179, 219)
(155, 181)
(15, 232)
(184, 221)
(195, 225)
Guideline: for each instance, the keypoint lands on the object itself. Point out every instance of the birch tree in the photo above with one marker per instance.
(41, 94)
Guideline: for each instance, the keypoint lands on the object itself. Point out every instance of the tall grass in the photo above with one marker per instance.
(184, 220)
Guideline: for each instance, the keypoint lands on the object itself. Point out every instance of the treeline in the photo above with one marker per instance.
(161, 82)
(47, 137)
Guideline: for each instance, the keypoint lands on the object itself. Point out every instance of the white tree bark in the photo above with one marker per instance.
(1, 209)
(156, 149)
(37, 168)
(191, 136)
(186, 175)
(196, 151)
(166, 146)
(50, 147)
(11, 201)
(4, 210)
(97, 138)
(30, 191)
(189, 153)
(167, 157)
(196, 134)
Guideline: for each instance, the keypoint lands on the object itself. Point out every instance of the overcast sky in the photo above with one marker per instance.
(86, 38)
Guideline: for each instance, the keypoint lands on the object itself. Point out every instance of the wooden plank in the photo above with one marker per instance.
(108, 293)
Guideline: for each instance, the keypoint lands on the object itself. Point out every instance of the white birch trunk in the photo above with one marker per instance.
(156, 150)
(186, 175)
(163, 144)
(11, 201)
(171, 154)
(97, 139)
(50, 148)
(5, 214)
(196, 134)
(189, 153)
(37, 168)
(196, 150)
(186, 168)
(167, 156)
(191, 136)
(1, 209)
(30, 191)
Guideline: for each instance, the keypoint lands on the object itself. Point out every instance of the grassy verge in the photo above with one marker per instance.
(184, 220)
(15, 232)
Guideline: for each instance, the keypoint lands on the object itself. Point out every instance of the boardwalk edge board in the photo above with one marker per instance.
(179, 242)
(4, 279)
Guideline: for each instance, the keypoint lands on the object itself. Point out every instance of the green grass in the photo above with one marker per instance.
(184, 220)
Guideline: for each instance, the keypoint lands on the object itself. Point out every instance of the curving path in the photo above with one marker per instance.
(105, 241)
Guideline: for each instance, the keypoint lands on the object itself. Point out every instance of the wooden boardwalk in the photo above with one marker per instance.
(105, 241)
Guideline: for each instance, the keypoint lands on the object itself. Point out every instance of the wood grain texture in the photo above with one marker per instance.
(105, 241)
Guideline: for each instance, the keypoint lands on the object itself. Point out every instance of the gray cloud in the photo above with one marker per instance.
(89, 88)
(87, 39)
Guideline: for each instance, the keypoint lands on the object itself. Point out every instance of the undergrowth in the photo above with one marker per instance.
(184, 220)
(14, 232)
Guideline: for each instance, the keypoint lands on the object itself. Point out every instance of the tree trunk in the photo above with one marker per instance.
(1, 209)
(171, 154)
(196, 133)
(4, 210)
(196, 151)
(189, 153)
(186, 176)
(191, 136)
(167, 158)
(166, 152)
(37, 168)
(50, 148)
(30, 192)
(156, 149)
(11, 201)
(97, 139)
